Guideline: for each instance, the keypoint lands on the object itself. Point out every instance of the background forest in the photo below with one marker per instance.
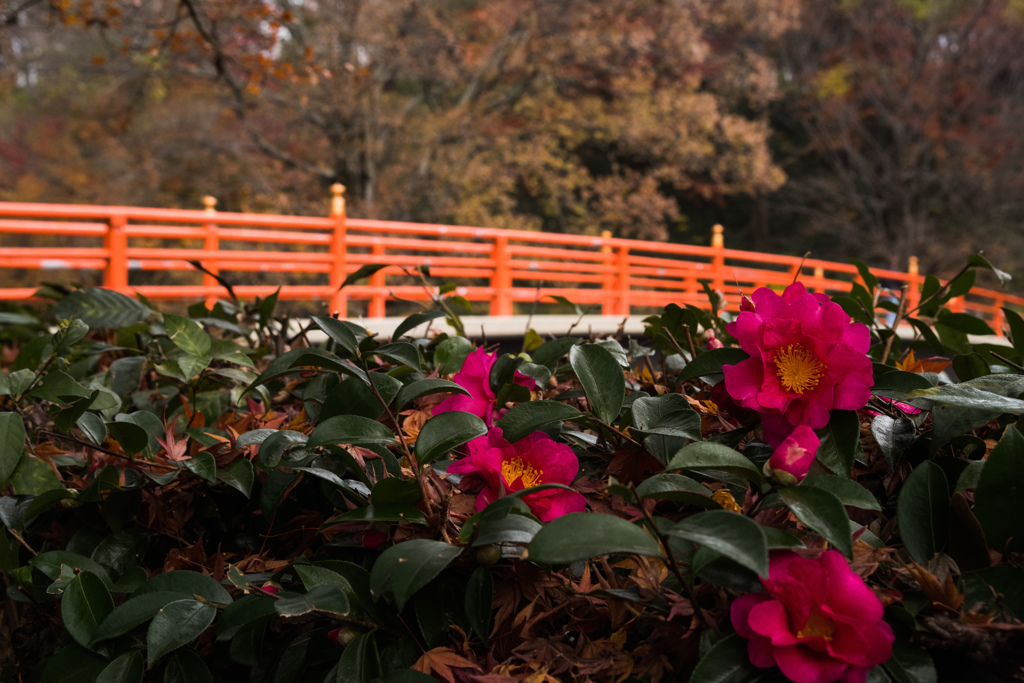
(880, 128)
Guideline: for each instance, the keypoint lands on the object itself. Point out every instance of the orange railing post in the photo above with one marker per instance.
(622, 262)
(998, 317)
(819, 275)
(339, 252)
(501, 280)
(378, 306)
(913, 278)
(210, 243)
(116, 274)
(718, 260)
(608, 281)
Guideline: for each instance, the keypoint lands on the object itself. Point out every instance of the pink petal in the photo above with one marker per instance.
(739, 613)
(771, 620)
(743, 380)
(802, 665)
(797, 289)
(761, 652)
(847, 593)
(559, 502)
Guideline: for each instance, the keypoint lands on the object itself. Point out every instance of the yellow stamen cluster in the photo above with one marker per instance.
(515, 468)
(797, 369)
(817, 626)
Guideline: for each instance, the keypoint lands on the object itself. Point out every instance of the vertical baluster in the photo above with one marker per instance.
(378, 307)
(501, 280)
(339, 252)
(211, 242)
(608, 280)
(116, 275)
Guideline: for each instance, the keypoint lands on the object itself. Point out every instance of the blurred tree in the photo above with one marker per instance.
(903, 129)
(575, 116)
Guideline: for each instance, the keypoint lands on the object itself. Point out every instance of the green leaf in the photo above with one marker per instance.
(528, 417)
(822, 511)
(667, 415)
(352, 430)
(979, 261)
(132, 438)
(737, 537)
(101, 308)
(73, 664)
(395, 490)
(973, 395)
(187, 335)
(865, 273)
(846, 490)
(15, 383)
(451, 354)
(602, 380)
(186, 666)
(50, 562)
(999, 497)
(239, 475)
(362, 272)
(12, 443)
(415, 320)
(356, 397)
(971, 476)
(360, 661)
(339, 332)
(893, 436)
(127, 668)
(85, 604)
(897, 383)
(551, 351)
(275, 445)
(399, 353)
(313, 576)
(676, 487)
(202, 465)
(425, 387)
(134, 611)
(323, 598)
(1016, 325)
(840, 440)
(479, 601)
(177, 624)
(34, 477)
(385, 512)
(583, 535)
(244, 612)
(965, 322)
(727, 662)
(711, 363)
(713, 459)
(189, 583)
(441, 433)
(403, 569)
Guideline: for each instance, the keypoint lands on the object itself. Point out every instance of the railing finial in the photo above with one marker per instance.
(338, 199)
(912, 267)
(210, 202)
(717, 238)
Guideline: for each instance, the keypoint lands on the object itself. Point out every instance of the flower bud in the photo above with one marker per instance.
(271, 587)
(488, 555)
(342, 635)
(793, 457)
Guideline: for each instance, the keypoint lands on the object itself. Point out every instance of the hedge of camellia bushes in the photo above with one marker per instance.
(790, 493)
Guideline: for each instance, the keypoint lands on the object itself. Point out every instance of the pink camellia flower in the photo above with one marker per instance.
(502, 468)
(793, 457)
(806, 357)
(475, 377)
(818, 621)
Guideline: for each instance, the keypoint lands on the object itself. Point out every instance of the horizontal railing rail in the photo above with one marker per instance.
(128, 248)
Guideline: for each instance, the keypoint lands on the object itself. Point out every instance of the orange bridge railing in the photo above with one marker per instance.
(121, 248)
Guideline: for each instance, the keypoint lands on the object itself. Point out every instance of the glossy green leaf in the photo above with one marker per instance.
(385, 512)
(727, 662)
(132, 438)
(177, 624)
(328, 599)
(446, 431)
(351, 430)
(735, 536)
(34, 477)
(73, 664)
(339, 332)
(403, 569)
(244, 612)
(187, 335)
(50, 562)
(451, 354)
(186, 666)
(415, 320)
(531, 416)
(602, 380)
(238, 475)
(923, 511)
(86, 603)
(479, 601)
(360, 661)
(583, 535)
(713, 459)
(426, 387)
(399, 353)
(979, 261)
(276, 444)
(711, 362)
(822, 511)
(202, 465)
(840, 440)
(846, 490)
(128, 668)
(189, 583)
(893, 436)
(134, 611)
(12, 443)
(667, 415)
(676, 487)
(999, 497)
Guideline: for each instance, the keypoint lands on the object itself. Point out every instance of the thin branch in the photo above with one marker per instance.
(896, 322)
(105, 451)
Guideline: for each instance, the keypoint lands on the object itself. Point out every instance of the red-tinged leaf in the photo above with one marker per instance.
(174, 450)
(441, 660)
